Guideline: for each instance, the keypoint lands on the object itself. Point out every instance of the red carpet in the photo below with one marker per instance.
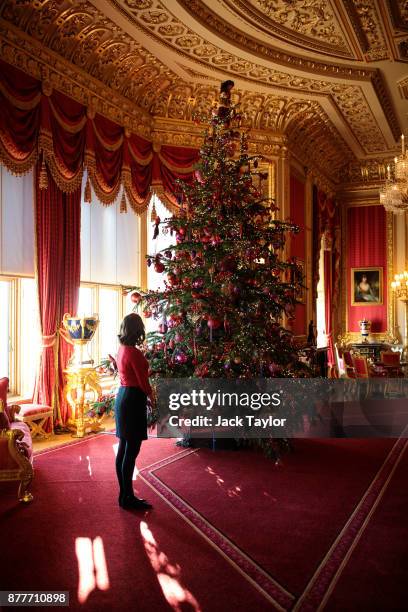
(381, 553)
(153, 562)
(291, 520)
(229, 530)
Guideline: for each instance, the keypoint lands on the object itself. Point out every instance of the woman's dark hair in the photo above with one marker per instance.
(132, 330)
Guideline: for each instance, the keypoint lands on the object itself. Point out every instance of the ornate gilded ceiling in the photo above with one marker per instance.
(328, 76)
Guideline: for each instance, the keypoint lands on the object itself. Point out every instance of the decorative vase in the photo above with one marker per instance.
(80, 330)
(365, 329)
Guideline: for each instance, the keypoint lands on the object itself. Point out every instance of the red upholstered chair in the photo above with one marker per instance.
(16, 449)
(349, 364)
(361, 368)
(391, 362)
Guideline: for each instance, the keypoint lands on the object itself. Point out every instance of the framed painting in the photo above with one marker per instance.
(366, 286)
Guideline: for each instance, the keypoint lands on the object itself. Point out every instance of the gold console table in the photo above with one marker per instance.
(80, 382)
(82, 386)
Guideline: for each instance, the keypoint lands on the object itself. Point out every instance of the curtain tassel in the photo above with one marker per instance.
(43, 180)
(153, 213)
(87, 192)
(123, 204)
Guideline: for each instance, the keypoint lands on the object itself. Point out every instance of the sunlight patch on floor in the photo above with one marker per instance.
(219, 481)
(92, 568)
(89, 465)
(168, 574)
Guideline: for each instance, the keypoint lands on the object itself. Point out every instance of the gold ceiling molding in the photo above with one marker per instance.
(370, 172)
(366, 22)
(72, 46)
(403, 88)
(30, 57)
(312, 25)
(82, 35)
(243, 40)
(151, 16)
(306, 123)
(318, 144)
(399, 14)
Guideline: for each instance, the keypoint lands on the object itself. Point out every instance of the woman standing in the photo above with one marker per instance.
(130, 407)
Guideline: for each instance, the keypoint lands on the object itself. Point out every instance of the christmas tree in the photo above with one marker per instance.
(228, 287)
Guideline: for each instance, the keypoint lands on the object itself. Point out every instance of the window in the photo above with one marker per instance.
(20, 328)
(109, 315)
(19, 333)
(155, 280)
(107, 302)
(6, 341)
(29, 336)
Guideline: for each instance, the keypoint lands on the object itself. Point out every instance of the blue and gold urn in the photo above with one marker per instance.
(80, 332)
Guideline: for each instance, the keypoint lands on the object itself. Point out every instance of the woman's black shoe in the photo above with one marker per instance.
(122, 499)
(134, 503)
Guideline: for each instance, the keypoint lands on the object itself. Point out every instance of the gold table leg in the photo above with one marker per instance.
(80, 381)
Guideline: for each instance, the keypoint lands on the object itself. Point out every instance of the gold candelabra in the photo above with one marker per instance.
(399, 287)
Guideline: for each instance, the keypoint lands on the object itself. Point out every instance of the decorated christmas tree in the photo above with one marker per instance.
(228, 288)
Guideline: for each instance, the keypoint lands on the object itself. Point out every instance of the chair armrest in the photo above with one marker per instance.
(13, 410)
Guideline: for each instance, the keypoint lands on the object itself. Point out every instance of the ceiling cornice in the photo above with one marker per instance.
(23, 52)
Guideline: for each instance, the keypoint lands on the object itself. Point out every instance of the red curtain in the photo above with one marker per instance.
(20, 97)
(367, 248)
(71, 138)
(57, 227)
(298, 245)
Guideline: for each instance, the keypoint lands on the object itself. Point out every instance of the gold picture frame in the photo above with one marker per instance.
(367, 286)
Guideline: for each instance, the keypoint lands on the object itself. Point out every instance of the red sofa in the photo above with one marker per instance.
(16, 447)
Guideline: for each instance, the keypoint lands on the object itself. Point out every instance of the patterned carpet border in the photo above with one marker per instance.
(321, 585)
(260, 579)
(319, 588)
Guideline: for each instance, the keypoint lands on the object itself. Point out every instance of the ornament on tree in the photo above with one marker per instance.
(159, 267)
(156, 227)
(135, 297)
(181, 357)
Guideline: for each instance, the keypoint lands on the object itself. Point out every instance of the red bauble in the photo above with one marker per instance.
(214, 323)
(181, 358)
(159, 267)
(228, 264)
(147, 313)
(135, 297)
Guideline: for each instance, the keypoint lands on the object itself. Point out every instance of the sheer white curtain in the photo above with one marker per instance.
(20, 338)
(110, 245)
(16, 223)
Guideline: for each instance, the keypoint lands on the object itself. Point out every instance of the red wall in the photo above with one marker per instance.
(298, 244)
(367, 246)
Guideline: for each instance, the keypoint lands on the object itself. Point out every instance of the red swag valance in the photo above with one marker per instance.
(67, 138)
